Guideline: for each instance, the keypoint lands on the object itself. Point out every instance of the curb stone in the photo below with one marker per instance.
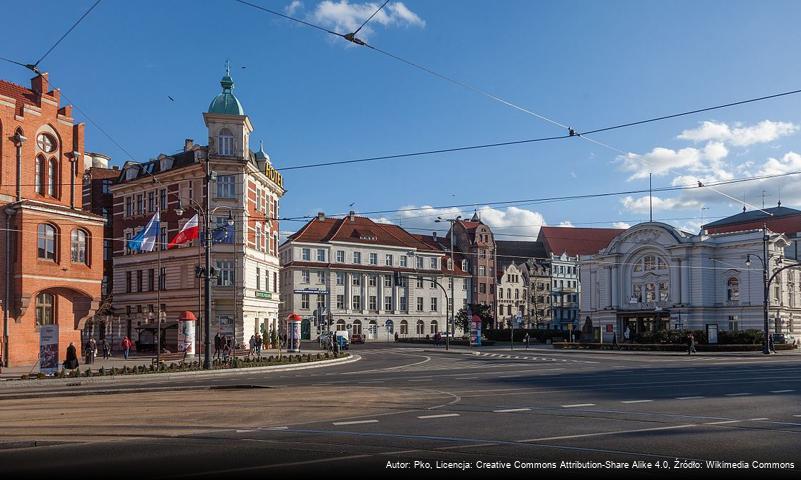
(80, 381)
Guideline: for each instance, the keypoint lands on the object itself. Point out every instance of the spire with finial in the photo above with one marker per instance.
(226, 102)
(476, 217)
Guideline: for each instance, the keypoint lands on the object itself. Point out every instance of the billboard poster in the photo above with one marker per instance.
(293, 336)
(186, 337)
(226, 325)
(48, 349)
(475, 331)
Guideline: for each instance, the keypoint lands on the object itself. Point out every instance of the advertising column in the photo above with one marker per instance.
(475, 330)
(293, 333)
(48, 349)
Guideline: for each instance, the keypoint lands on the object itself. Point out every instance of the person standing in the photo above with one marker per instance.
(252, 345)
(771, 346)
(106, 349)
(126, 347)
(217, 345)
(690, 344)
(91, 349)
(626, 335)
(526, 339)
(259, 343)
(71, 362)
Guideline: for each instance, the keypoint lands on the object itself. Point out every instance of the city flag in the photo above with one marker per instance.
(187, 234)
(145, 241)
(223, 234)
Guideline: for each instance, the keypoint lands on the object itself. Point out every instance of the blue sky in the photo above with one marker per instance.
(312, 98)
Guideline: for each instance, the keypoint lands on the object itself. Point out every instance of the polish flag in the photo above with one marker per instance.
(187, 234)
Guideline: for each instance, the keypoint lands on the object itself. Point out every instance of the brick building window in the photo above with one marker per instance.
(45, 305)
(79, 247)
(226, 142)
(52, 176)
(39, 175)
(46, 242)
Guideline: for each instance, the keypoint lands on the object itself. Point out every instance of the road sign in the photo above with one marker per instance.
(318, 291)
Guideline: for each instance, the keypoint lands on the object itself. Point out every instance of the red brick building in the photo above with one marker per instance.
(476, 242)
(52, 257)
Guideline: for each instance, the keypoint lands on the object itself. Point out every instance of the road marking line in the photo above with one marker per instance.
(245, 431)
(757, 419)
(355, 422)
(781, 391)
(443, 415)
(276, 428)
(797, 416)
(510, 410)
(472, 445)
(737, 394)
(689, 398)
(575, 405)
(724, 422)
(619, 432)
(421, 380)
(636, 401)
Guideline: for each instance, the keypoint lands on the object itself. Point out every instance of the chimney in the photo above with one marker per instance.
(352, 216)
(188, 144)
(320, 216)
(434, 234)
(40, 83)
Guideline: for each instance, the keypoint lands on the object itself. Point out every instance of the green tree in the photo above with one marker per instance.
(483, 311)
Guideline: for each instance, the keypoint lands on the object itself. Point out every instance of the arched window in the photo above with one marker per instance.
(500, 293)
(52, 177)
(46, 242)
(340, 325)
(79, 246)
(434, 326)
(404, 327)
(465, 266)
(733, 289)
(357, 327)
(39, 177)
(45, 305)
(226, 142)
(421, 327)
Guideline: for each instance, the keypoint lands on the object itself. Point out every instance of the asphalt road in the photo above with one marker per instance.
(476, 413)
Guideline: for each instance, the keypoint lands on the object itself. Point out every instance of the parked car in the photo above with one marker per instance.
(357, 338)
(780, 338)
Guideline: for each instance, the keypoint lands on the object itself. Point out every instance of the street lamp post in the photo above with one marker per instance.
(452, 300)
(765, 285)
(206, 212)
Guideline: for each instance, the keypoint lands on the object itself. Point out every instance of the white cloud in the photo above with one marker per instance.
(642, 205)
(293, 7)
(790, 162)
(344, 17)
(622, 225)
(511, 223)
(661, 161)
(566, 223)
(739, 136)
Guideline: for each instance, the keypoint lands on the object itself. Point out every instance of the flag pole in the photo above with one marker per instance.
(158, 290)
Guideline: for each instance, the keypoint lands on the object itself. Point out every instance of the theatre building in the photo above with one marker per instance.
(655, 277)
(51, 266)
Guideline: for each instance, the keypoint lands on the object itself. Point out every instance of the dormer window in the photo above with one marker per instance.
(225, 144)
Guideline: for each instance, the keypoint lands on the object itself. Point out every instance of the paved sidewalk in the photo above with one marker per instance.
(117, 361)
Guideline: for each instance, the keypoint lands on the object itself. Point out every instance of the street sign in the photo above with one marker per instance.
(319, 291)
(265, 295)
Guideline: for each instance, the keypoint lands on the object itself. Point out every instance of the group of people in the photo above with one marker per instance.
(256, 343)
(223, 347)
(90, 350)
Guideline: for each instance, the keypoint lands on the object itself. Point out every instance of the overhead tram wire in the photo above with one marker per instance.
(351, 37)
(370, 18)
(36, 65)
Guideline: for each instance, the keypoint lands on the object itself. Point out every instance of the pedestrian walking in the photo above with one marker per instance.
(771, 346)
(226, 351)
(526, 339)
(126, 347)
(437, 338)
(91, 351)
(71, 362)
(106, 347)
(217, 345)
(690, 344)
(626, 335)
(252, 345)
(259, 343)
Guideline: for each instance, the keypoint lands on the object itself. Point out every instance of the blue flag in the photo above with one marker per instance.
(223, 234)
(145, 241)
